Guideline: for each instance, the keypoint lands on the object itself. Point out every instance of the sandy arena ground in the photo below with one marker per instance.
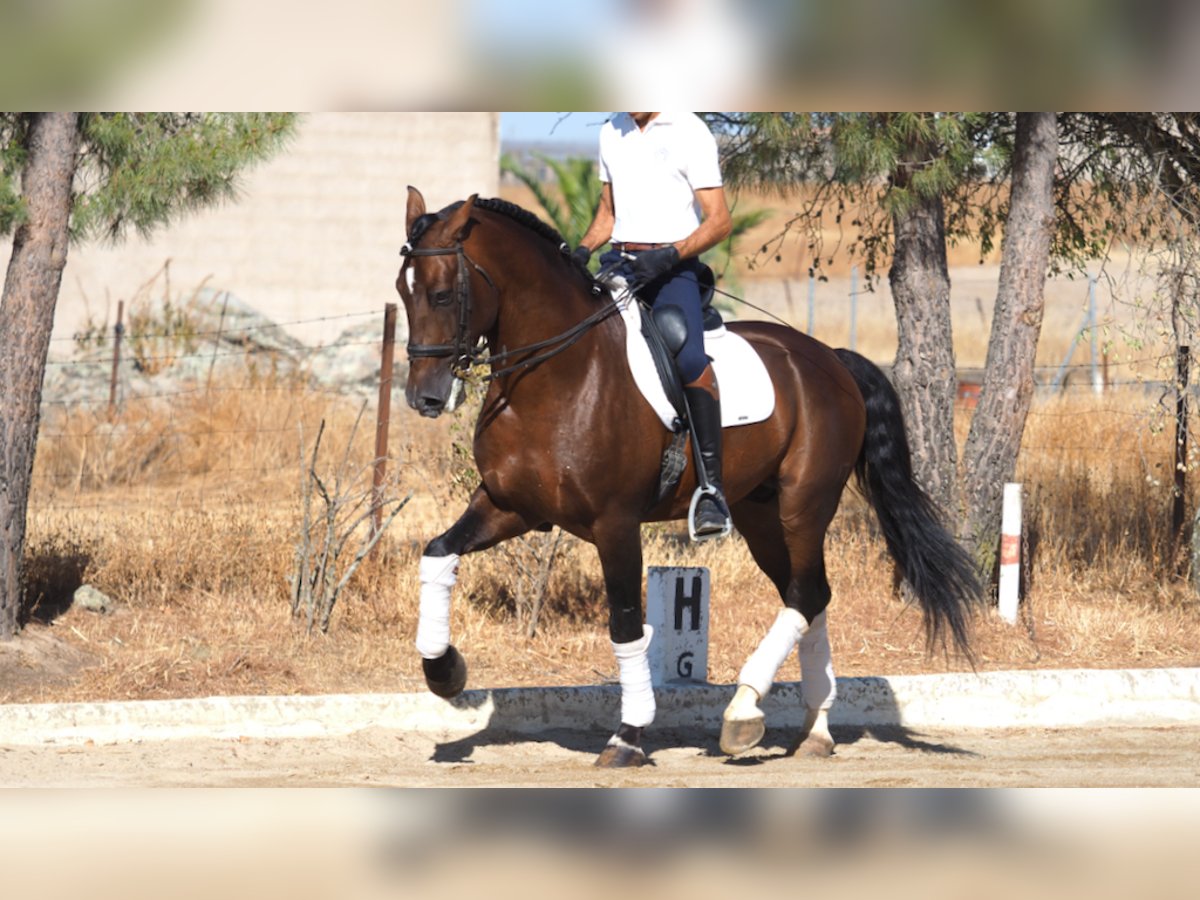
(872, 757)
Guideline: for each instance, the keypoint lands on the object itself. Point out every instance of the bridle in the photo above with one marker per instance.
(464, 355)
(467, 356)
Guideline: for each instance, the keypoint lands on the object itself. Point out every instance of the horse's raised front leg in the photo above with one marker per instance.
(620, 549)
(482, 525)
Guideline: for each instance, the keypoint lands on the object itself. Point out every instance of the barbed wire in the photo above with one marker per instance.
(220, 332)
(175, 433)
(73, 474)
(198, 390)
(132, 358)
(218, 486)
(1088, 413)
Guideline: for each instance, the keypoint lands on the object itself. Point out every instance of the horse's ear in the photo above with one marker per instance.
(416, 208)
(457, 223)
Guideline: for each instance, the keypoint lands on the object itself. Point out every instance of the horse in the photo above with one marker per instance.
(564, 439)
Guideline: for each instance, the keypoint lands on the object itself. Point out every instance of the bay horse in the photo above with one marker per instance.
(563, 438)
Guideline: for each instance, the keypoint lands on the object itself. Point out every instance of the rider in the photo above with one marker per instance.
(662, 204)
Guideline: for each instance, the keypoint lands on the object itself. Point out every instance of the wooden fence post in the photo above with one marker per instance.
(118, 330)
(1097, 382)
(1181, 426)
(383, 414)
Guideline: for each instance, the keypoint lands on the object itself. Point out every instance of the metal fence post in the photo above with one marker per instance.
(812, 301)
(854, 307)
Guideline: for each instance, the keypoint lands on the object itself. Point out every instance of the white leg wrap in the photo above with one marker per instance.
(816, 727)
(637, 696)
(744, 705)
(438, 574)
(818, 687)
(759, 670)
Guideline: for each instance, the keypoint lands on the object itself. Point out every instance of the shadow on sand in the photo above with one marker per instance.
(581, 720)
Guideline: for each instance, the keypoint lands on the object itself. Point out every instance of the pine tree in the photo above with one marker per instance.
(73, 176)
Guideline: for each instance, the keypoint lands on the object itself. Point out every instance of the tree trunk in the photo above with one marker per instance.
(990, 454)
(924, 373)
(26, 319)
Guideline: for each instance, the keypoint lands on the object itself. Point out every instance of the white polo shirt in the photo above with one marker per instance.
(655, 174)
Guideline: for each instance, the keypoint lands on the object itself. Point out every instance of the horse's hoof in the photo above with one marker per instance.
(819, 746)
(446, 676)
(740, 735)
(620, 755)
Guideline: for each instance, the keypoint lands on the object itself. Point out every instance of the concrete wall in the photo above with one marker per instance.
(317, 230)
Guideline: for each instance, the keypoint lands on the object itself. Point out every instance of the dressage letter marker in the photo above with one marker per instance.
(1010, 553)
(677, 609)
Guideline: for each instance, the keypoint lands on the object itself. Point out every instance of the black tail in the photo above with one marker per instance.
(939, 571)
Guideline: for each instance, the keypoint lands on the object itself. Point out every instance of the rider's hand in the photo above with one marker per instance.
(650, 264)
(581, 255)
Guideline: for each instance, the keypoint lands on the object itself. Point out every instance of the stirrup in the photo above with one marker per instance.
(702, 491)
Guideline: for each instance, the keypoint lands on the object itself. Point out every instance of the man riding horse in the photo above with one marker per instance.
(663, 204)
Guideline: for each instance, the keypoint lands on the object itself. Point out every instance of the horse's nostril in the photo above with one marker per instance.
(430, 406)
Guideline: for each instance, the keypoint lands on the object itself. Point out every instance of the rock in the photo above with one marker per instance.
(220, 315)
(89, 598)
(226, 339)
(351, 362)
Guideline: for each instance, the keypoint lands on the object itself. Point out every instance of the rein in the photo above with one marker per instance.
(466, 356)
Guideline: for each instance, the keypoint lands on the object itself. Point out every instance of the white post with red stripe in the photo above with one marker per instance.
(1010, 553)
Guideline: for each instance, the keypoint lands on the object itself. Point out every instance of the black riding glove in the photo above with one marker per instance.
(582, 255)
(649, 264)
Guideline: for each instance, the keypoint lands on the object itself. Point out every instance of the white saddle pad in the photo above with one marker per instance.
(747, 394)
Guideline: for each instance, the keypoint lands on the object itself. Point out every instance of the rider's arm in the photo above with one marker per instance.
(601, 228)
(715, 226)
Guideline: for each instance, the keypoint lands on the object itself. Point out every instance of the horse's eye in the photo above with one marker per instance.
(441, 298)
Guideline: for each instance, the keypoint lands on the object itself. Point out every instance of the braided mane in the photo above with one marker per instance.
(521, 216)
(509, 210)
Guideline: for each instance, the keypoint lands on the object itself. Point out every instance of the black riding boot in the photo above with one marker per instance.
(704, 406)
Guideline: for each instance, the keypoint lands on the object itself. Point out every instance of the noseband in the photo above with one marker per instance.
(464, 354)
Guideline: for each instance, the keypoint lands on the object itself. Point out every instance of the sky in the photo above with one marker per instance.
(574, 127)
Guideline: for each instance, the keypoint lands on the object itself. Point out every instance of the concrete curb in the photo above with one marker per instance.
(990, 700)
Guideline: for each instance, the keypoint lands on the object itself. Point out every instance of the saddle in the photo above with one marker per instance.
(747, 394)
(664, 363)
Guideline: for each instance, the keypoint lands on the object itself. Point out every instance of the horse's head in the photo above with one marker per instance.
(446, 313)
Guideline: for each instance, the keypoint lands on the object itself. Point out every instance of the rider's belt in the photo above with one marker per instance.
(634, 247)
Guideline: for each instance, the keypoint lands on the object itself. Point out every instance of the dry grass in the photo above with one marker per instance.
(196, 544)
(186, 510)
